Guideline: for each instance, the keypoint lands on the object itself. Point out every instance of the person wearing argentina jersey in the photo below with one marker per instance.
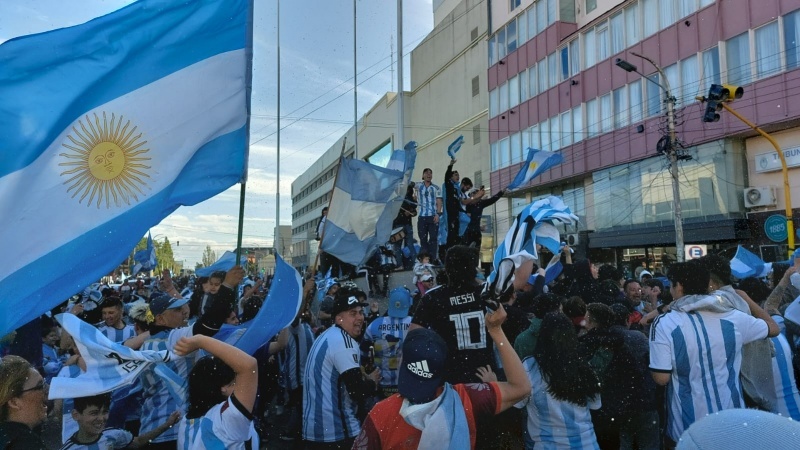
(222, 393)
(166, 318)
(112, 326)
(696, 348)
(384, 336)
(333, 382)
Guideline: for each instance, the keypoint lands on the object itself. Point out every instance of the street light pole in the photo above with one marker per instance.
(672, 150)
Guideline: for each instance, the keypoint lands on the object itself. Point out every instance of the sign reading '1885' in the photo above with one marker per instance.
(770, 162)
(775, 228)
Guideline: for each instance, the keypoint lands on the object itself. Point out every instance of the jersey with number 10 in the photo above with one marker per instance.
(458, 317)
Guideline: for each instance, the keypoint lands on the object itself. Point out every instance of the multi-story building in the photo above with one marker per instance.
(553, 85)
(448, 98)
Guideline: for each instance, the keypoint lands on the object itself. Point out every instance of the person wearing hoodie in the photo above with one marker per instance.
(542, 304)
(696, 348)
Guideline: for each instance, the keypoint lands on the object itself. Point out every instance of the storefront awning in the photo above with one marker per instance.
(663, 234)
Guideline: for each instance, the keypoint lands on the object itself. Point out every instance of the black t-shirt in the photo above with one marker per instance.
(458, 317)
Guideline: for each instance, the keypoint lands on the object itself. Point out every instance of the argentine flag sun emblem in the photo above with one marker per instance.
(106, 161)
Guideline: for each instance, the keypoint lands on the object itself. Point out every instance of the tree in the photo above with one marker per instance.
(166, 259)
(209, 256)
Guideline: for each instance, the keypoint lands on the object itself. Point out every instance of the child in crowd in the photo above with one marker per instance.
(91, 414)
(422, 269)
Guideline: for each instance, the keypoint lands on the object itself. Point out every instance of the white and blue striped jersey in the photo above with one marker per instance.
(68, 424)
(329, 414)
(295, 355)
(786, 393)
(158, 403)
(117, 335)
(554, 423)
(109, 439)
(227, 425)
(426, 197)
(702, 351)
(386, 335)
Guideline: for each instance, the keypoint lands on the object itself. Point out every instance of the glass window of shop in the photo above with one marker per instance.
(641, 192)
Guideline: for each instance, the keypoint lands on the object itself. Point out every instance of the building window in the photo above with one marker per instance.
(491, 45)
(711, 71)
(552, 69)
(494, 148)
(555, 133)
(513, 91)
(577, 124)
(541, 67)
(476, 134)
(523, 86)
(589, 49)
(635, 94)
(574, 57)
(606, 116)
(513, 4)
(503, 97)
(532, 31)
(522, 29)
(501, 44)
(653, 96)
(516, 148)
(592, 118)
(566, 128)
(476, 86)
(591, 5)
(768, 50)
(632, 25)
(737, 52)
(602, 43)
(791, 39)
(666, 13)
(494, 103)
(650, 15)
(541, 15)
(511, 35)
(533, 86)
(620, 98)
(617, 28)
(690, 78)
(505, 153)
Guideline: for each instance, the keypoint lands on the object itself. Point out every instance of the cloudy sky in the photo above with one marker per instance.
(316, 98)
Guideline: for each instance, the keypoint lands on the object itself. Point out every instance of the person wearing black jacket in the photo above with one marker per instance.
(403, 221)
(472, 236)
(454, 203)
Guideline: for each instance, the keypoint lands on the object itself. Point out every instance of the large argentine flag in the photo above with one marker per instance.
(107, 127)
(366, 199)
(537, 162)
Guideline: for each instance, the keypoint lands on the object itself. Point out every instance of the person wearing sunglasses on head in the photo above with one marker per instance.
(23, 404)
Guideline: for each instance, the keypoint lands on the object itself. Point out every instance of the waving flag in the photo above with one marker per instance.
(537, 163)
(455, 146)
(145, 259)
(108, 365)
(535, 224)
(278, 311)
(121, 121)
(224, 263)
(746, 264)
(366, 199)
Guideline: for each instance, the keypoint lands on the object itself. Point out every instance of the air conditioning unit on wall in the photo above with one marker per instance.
(572, 239)
(758, 196)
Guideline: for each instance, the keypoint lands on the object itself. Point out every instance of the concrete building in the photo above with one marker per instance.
(448, 98)
(553, 84)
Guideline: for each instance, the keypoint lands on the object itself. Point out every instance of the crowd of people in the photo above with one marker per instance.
(587, 360)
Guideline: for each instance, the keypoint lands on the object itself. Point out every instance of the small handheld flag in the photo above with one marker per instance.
(453, 148)
(538, 162)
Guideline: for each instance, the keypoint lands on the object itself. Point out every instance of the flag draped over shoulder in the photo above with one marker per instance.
(535, 224)
(145, 259)
(121, 120)
(108, 365)
(278, 311)
(366, 199)
(224, 263)
(537, 162)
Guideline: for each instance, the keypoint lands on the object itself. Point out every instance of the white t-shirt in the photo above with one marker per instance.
(109, 439)
(703, 353)
(227, 425)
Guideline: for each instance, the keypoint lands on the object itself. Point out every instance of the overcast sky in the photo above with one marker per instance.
(316, 98)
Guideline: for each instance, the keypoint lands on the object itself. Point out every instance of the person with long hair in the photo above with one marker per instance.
(564, 389)
(23, 404)
(222, 393)
(585, 284)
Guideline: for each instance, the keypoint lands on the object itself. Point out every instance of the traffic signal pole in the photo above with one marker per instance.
(787, 193)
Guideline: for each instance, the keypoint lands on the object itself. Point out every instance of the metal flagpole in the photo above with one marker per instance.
(355, 81)
(278, 165)
(249, 88)
(400, 116)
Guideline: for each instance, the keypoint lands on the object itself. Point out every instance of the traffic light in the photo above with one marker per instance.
(732, 92)
(716, 95)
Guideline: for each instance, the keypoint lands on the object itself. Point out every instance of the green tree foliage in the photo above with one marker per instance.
(209, 256)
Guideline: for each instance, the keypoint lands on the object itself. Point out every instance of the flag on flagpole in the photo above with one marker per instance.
(108, 365)
(455, 146)
(279, 310)
(145, 259)
(537, 162)
(121, 121)
(224, 263)
(366, 199)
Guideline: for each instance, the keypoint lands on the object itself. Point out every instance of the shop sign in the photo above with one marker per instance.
(775, 228)
(770, 162)
(695, 251)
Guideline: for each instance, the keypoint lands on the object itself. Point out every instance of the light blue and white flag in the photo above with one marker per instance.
(118, 123)
(108, 365)
(746, 264)
(540, 215)
(224, 263)
(146, 258)
(278, 311)
(455, 146)
(366, 199)
(537, 162)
